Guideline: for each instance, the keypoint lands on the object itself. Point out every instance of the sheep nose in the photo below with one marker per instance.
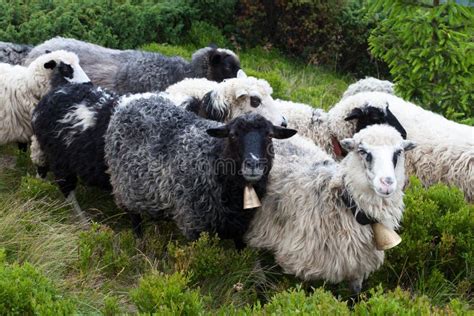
(387, 181)
(251, 164)
(284, 123)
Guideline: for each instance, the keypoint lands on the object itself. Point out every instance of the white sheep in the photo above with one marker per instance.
(369, 84)
(445, 151)
(22, 88)
(315, 214)
(228, 99)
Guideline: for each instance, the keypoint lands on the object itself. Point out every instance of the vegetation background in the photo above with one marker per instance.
(309, 51)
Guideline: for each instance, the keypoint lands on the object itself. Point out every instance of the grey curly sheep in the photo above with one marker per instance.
(132, 71)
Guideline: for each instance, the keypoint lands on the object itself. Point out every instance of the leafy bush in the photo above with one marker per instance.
(399, 302)
(202, 34)
(111, 306)
(428, 52)
(25, 291)
(100, 249)
(320, 302)
(229, 274)
(119, 24)
(436, 255)
(329, 33)
(167, 295)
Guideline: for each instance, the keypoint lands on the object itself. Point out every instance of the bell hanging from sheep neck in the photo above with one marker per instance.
(385, 238)
(251, 199)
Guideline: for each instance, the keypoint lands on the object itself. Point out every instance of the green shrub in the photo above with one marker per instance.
(219, 269)
(100, 249)
(295, 301)
(215, 12)
(330, 33)
(111, 306)
(436, 255)
(399, 302)
(25, 291)
(167, 295)
(202, 34)
(429, 53)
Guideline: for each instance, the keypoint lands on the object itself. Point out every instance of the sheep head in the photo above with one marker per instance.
(359, 111)
(62, 67)
(241, 95)
(215, 64)
(376, 159)
(249, 144)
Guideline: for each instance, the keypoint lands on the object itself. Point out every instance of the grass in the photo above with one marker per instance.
(104, 269)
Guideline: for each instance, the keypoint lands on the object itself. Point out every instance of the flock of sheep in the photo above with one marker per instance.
(182, 140)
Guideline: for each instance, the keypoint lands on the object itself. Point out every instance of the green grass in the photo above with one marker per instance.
(104, 269)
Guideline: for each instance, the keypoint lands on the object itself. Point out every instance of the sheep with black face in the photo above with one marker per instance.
(164, 160)
(23, 87)
(133, 71)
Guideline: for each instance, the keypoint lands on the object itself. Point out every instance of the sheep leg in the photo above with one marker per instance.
(136, 220)
(67, 185)
(23, 147)
(356, 285)
(71, 198)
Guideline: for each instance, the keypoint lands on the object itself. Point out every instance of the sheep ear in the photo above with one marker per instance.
(241, 74)
(392, 121)
(213, 109)
(219, 132)
(355, 114)
(240, 93)
(192, 104)
(282, 132)
(408, 145)
(348, 144)
(50, 64)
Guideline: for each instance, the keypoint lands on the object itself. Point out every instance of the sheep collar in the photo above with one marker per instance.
(358, 213)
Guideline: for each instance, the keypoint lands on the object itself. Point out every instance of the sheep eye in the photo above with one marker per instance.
(255, 102)
(395, 157)
(366, 155)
